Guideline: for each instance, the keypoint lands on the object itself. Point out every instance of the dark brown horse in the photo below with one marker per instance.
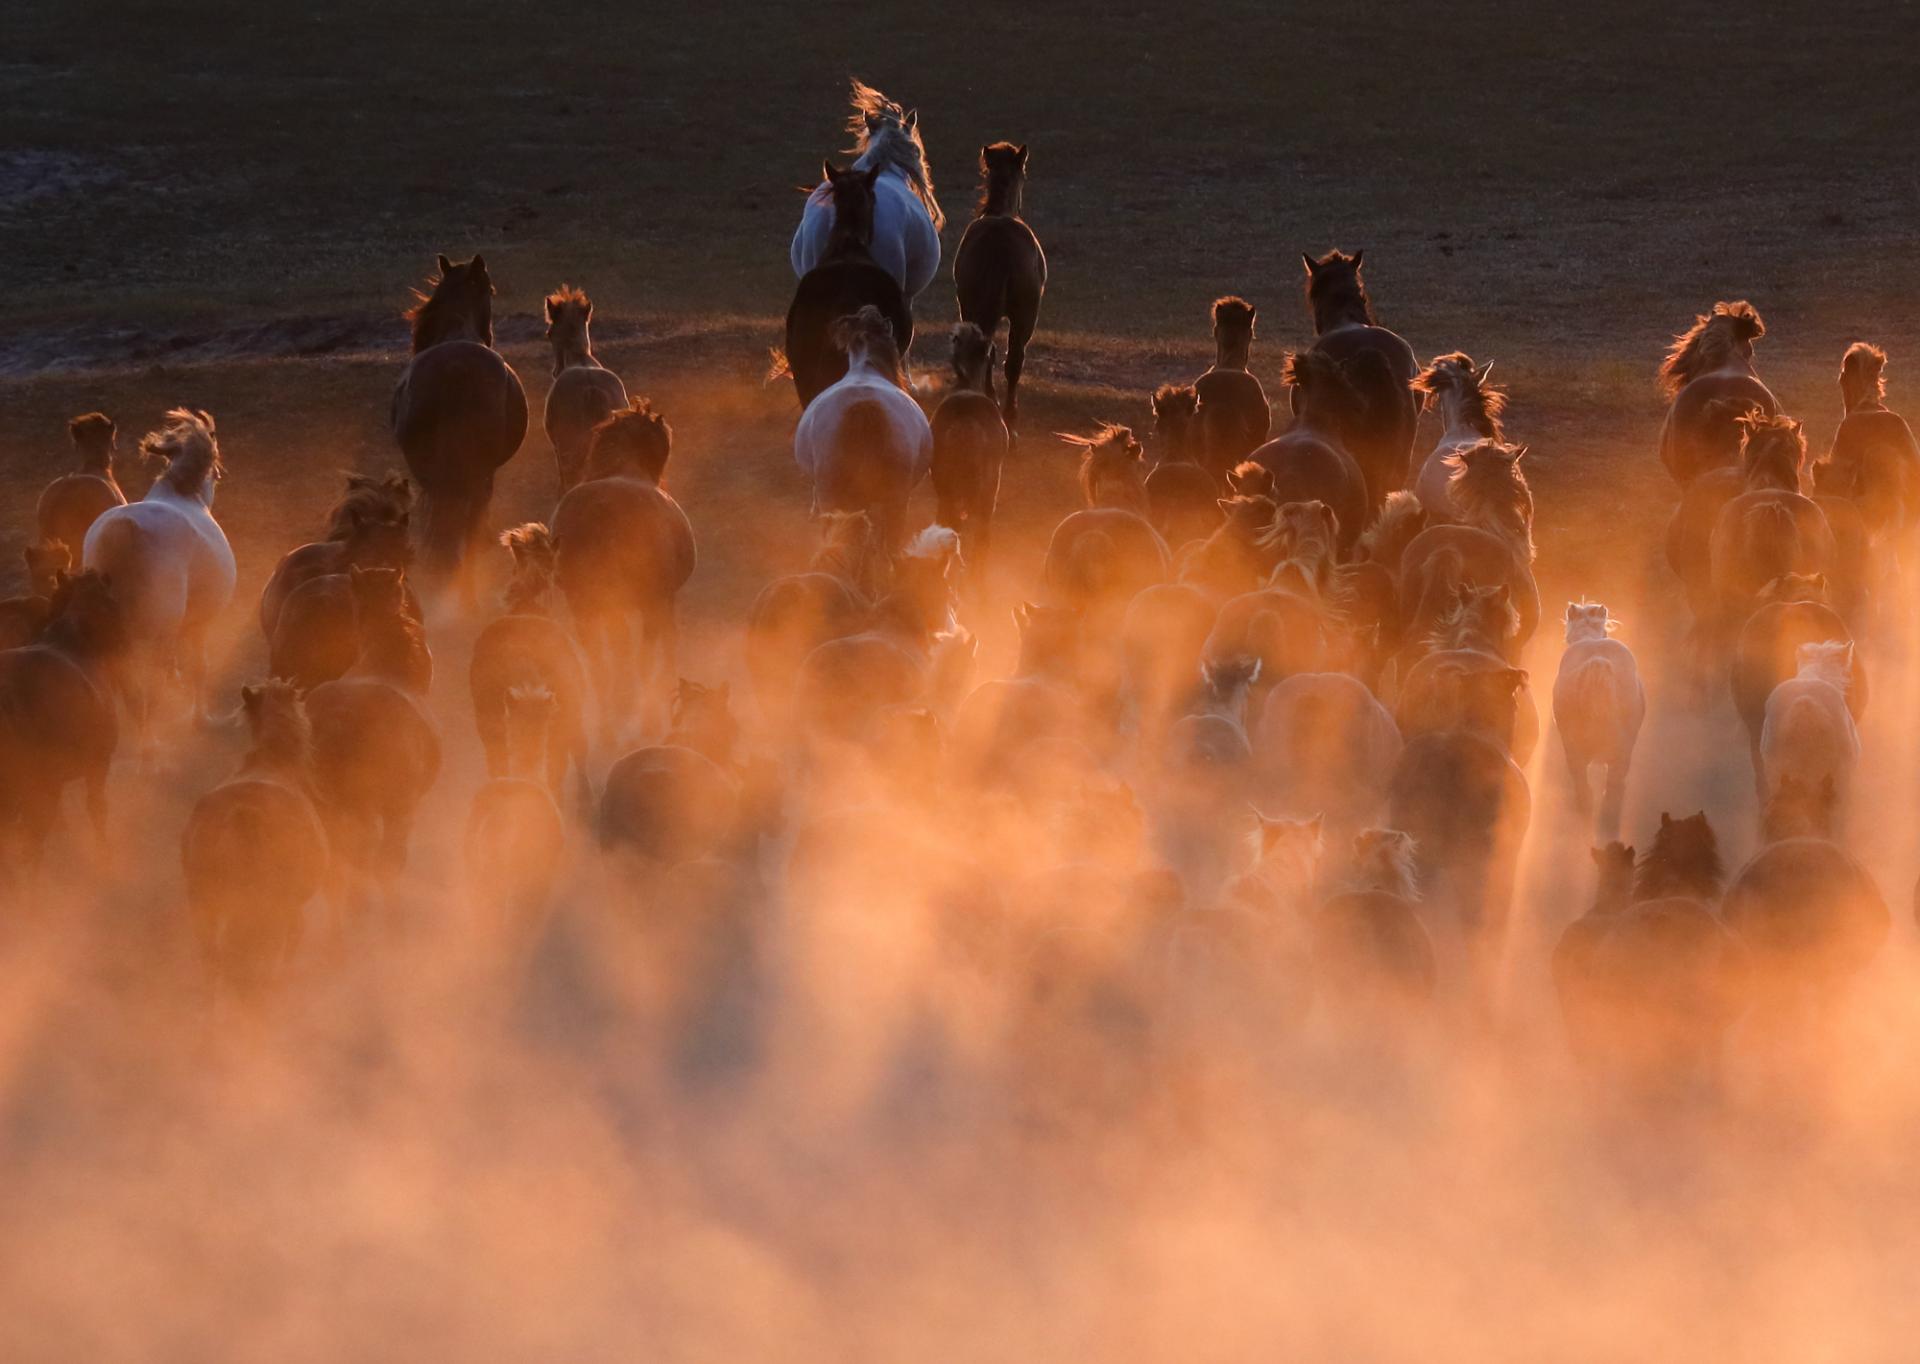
(1770, 529)
(367, 528)
(58, 724)
(73, 502)
(1310, 460)
(969, 447)
(527, 647)
(1234, 419)
(1000, 272)
(1709, 380)
(1183, 496)
(584, 392)
(458, 413)
(1379, 365)
(845, 280)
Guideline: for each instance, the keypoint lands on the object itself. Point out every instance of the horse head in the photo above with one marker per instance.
(191, 453)
(456, 306)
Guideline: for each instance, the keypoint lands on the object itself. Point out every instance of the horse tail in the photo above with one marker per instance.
(1386, 540)
(1592, 711)
(861, 469)
(778, 366)
(1092, 566)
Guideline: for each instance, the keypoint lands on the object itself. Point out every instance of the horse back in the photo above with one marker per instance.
(56, 721)
(825, 294)
(581, 398)
(1307, 467)
(620, 541)
(459, 411)
(999, 261)
(1702, 428)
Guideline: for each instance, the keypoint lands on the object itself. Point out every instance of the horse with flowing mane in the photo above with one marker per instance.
(1378, 362)
(1709, 380)
(1311, 460)
(459, 412)
(584, 392)
(906, 221)
(171, 567)
(1000, 272)
(1469, 409)
(845, 280)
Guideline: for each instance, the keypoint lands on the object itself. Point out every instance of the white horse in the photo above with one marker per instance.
(169, 562)
(906, 215)
(864, 441)
(1599, 704)
(1469, 413)
(1809, 733)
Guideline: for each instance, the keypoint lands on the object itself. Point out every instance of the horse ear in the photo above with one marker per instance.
(1573, 610)
(552, 311)
(249, 697)
(1599, 856)
(446, 266)
(1359, 256)
(912, 120)
(1312, 268)
(478, 264)
(1519, 452)
(1666, 820)
(1021, 151)
(1480, 375)
(826, 168)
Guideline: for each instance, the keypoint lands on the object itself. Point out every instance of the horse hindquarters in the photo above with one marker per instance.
(826, 294)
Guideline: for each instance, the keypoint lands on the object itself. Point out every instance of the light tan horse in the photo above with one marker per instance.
(74, 501)
(584, 392)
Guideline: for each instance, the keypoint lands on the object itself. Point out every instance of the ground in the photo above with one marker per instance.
(225, 205)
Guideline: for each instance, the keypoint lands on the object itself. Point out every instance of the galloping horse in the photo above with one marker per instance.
(585, 392)
(864, 441)
(1379, 364)
(1469, 410)
(906, 217)
(169, 562)
(1000, 272)
(846, 279)
(458, 412)
(1708, 376)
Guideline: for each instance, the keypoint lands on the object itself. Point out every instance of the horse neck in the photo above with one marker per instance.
(1232, 352)
(574, 351)
(527, 748)
(861, 361)
(96, 460)
(1457, 425)
(1343, 311)
(1316, 415)
(1586, 632)
(193, 503)
(387, 650)
(1003, 197)
(280, 757)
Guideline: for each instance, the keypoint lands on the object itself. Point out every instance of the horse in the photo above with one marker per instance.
(1210, 741)
(795, 614)
(1378, 363)
(1100, 557)
(1491, 547)
(57, 718)
(1241, 553)
(1650, 978)
(624, 548)
(515, 838)
(1162, 634)
(999, 271)
(1469, 409)
(1793, 612)
(172, 569)
(1463, 680)
(1310, 461)
(1808, 732)
(1183, 497)
(863, 440)
(970, 442)
(1369, 944)
(70, 504)
(1873, 460)
(1324, 743)
(907, 215)
(254, 851)
(376, 748)
(1599, 704)
(320, 633)
(1810, 916)
(584, 392)
(844, 282)
(1232, 414)
(527, 648)
(458, 413)
(367, 527)
(1770, 529)
(1709, 383)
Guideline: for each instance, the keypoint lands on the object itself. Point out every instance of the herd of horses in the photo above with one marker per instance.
(1268, 729)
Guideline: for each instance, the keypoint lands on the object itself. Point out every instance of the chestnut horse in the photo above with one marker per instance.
(1709, 381)
(1379, 364)
(1000, 272)
(584, 392)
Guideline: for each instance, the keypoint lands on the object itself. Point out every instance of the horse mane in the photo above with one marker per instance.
(968, 352)
(369, 500)
(1772, 451)
(1321, 378)
(1231, 313)
(281, 733)
(568, 298)
(1794, 587)
(885, 134)
(1175, 400)
(1491, 492)
(1111, 446)
(1481, 403)
(1251, 479)
(1830, 660)
(534, 555)
(1726, 333)
(1861, 373)
(1798, 809)
(188, 446)
(637, 441)
(1684, 861)
(451, 299)
(1386, 540)
(869, 330)
(1386, 860)
(1335, 292)
(1486, 613)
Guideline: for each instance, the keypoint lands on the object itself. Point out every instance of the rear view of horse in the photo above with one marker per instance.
(584, 393)
(1599, 705)
(1379, 364)
(969, 447)
(1874, 460)
(1232, 415)
(1709, 380)
(845, 279)
(1000, 272)
(903, 231)
(171, 567)
(458, 412)
(864, 441)
(73, 502)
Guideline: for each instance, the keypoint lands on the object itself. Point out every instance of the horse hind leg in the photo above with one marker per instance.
(1022, 315)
